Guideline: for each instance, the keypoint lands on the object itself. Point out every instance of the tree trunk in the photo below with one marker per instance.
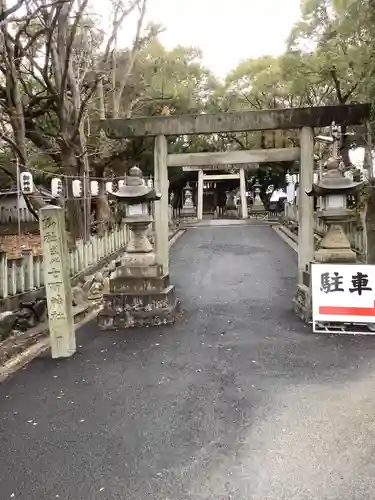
(102, 210)
(345, 147)
(74, 206)
(74, 214)
(368, 159)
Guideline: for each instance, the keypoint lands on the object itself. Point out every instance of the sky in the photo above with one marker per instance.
(227, 31)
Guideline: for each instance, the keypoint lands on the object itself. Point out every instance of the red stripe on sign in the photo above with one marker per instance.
(347, 311)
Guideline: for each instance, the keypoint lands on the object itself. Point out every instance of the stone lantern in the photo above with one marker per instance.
(257, 203)
(230, 206)
(333, 189)
(188, 209)
(137, 292)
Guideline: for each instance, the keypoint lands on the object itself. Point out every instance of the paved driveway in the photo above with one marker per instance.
(239, 400)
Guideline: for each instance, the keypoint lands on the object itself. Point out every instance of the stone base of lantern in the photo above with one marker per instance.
(302, 300)
(231, 213)
(188, 211)
(257, 205)
(138, 296)
(257, 211)
(302, 303)
(335, 247)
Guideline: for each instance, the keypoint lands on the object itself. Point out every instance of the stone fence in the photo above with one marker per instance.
(11, 215)
(26, 274)
(353, 230)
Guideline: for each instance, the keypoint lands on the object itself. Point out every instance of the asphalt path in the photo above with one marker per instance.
(238, 400)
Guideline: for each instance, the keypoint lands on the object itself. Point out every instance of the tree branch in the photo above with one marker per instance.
(130, 62)
(337, 86)
(5, 13)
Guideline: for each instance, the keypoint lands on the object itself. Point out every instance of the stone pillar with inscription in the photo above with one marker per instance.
(57, 281)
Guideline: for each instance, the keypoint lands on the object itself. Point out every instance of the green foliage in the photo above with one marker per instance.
(329, 60)
(337, 34)
(175, 78)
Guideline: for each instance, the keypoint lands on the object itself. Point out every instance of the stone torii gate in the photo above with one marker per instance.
(304, 119)
(197, 161)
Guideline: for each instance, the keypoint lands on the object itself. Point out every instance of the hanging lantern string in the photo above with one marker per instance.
(78, 177)
(79, 185)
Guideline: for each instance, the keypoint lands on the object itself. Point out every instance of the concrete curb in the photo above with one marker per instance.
(37, 342)
(291, 238)
(176, 236)
(21, 359)
(287, 235)
(228, 223)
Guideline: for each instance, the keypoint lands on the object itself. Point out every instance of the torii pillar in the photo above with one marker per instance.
(302, 299)
(161, 218)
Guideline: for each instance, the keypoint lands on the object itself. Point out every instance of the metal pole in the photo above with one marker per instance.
(85, 205)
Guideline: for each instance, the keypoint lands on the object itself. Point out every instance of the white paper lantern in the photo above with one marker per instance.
(94, 188)
(77, 188)
(26, 183)
(57, 187)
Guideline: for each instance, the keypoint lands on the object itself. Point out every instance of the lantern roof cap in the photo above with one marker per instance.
(334, 182)
(135, 188)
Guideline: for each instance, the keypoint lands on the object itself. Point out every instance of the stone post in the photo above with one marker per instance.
(41, 270)
(3, 275)
(161, 206)
(28, 258)
(80, 255)
(90, 247)
(244, 211)
(116, 239)
(113, 240)
(20, 275)
(12, 277)
(200, 195)
(37, 265)
(95, 250)
(57, 281)
(86, 254)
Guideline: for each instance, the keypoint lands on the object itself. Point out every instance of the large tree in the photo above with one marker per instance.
(49, 53)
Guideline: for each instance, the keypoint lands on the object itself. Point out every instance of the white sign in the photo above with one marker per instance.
(343, 293)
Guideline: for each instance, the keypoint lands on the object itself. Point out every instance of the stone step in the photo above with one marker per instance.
(135, 284)
(114, 303)
(153, 271)
(134, 319)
